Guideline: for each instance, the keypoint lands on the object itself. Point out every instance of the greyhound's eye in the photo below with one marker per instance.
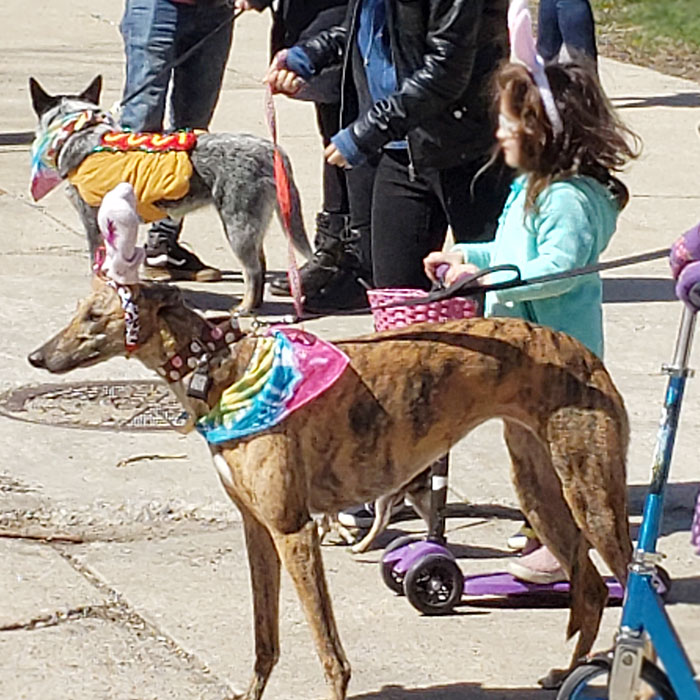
(93, 316)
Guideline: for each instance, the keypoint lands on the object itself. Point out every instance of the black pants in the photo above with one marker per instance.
(335, 188)
(408, 216)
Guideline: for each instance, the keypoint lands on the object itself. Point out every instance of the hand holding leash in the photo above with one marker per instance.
(280, 78)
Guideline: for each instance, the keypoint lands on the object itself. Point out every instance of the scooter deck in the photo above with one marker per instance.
(503, 584)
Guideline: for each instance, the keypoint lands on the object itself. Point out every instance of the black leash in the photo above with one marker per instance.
(180, 59)
(469, 286)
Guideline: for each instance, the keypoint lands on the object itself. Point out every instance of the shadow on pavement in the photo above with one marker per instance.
(680, 99)
(456, 691)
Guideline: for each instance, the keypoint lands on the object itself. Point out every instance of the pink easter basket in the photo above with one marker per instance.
(431, 312)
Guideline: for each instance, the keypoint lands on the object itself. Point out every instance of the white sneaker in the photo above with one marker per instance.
(363, 516)
(520, 540)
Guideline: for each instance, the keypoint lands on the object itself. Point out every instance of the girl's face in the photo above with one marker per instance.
(508, 134)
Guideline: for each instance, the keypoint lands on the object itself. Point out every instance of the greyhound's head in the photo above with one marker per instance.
(98, 329)
(50, 107)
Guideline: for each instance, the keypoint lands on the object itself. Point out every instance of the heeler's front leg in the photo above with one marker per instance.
(88, 216)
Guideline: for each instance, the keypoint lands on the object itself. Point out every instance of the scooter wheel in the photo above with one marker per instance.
(662, 582)
(434, 584)
(590, 680)
(392, 578)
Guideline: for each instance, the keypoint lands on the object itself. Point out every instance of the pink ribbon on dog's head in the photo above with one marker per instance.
(524, 51)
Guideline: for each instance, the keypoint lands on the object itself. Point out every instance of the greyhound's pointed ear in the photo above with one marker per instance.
(41, 100)
(92, 92)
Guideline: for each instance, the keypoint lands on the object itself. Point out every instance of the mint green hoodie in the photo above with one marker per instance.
(572, 224)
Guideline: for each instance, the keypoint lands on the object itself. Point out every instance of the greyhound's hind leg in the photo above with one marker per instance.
(543, 503)
(264, 564)
(301, 554)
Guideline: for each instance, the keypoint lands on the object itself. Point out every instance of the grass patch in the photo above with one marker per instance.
(662, 34)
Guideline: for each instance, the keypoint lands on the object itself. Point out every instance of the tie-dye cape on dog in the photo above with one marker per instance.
(288, 369)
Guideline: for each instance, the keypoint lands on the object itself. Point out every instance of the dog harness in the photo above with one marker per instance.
(157, 166)
(288, 369)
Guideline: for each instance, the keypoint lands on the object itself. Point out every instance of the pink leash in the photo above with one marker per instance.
(284, 200)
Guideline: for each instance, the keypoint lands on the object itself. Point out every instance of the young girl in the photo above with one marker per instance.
(560, 215)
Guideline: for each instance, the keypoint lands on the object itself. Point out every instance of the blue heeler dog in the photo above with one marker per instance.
(234, 172)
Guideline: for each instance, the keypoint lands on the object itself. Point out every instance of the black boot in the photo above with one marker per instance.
(347, 288)
(328, 256)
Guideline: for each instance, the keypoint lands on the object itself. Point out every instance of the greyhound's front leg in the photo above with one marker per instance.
(265, 578)
(301, 554)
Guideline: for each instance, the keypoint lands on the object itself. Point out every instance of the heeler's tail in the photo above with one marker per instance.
(297, 230)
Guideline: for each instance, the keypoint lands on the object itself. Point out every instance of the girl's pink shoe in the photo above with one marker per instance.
(539, 566)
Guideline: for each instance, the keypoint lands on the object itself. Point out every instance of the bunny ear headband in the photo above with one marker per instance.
(523, 51)
(119, 224)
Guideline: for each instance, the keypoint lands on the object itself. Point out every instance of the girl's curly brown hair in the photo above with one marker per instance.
(594, 141)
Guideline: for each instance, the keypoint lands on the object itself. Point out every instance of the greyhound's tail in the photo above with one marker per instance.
(297, 228)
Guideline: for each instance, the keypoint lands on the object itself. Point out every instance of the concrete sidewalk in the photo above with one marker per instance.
(124, 573)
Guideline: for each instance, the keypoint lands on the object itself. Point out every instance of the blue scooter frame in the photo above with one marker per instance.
(643, 612)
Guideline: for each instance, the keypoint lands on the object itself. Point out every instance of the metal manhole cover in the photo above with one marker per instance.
(113, 405)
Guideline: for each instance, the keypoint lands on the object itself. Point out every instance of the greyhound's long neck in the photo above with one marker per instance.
(178, 327)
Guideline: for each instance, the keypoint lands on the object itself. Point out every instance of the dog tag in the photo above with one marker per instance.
(200, 383)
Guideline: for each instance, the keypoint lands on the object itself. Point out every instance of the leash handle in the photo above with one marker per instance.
(284, 201)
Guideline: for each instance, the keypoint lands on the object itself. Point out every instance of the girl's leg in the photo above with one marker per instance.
(408, 222)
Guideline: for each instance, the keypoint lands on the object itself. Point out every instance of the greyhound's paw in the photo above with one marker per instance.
(554, 678)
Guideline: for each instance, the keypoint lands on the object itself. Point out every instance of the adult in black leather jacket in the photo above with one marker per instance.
(445, 52)
(415, 101)
(329, 278)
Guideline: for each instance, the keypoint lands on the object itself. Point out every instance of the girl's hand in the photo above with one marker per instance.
(280, 78)
(685, 250)
(456, 272)
(335, 157)
(432, 261)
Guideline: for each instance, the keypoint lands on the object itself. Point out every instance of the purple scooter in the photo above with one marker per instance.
(426, 571)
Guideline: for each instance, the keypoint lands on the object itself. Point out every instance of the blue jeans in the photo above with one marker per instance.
(158, 31)
(567, 22)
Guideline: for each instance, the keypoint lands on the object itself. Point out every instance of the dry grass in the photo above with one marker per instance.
(660, 34)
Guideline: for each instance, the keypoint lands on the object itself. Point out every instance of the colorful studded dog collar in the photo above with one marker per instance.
(187, 358)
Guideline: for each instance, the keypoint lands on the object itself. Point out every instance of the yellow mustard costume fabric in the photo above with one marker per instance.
(154, 176)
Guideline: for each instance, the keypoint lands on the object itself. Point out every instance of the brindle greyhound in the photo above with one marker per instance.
(405, 398)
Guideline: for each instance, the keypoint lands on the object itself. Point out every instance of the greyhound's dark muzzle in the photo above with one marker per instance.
(37, 359)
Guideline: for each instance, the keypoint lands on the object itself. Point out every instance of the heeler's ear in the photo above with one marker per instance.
(41, 100)
(92, 92)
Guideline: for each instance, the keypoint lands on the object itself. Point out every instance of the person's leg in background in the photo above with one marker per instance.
(341, 247)
(568, 22)
(332, 222)
(148, 28)
(156, 32)
(473, 198)
(408, 222)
